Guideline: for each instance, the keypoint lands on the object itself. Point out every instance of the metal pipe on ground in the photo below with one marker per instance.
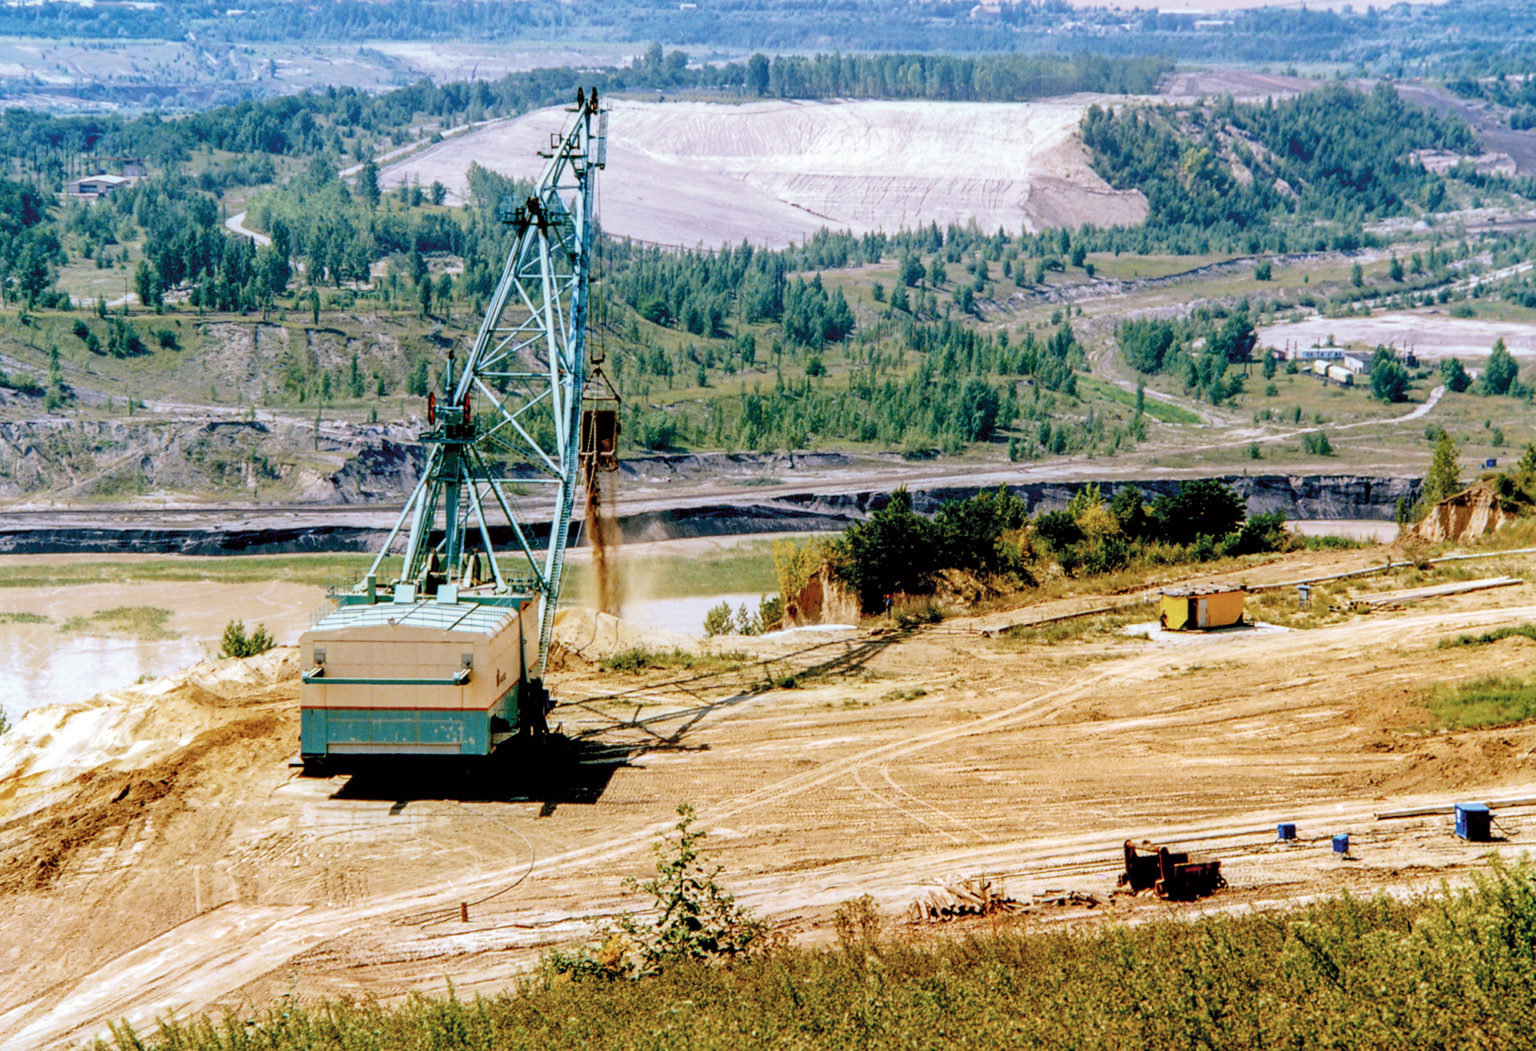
(1448, 808)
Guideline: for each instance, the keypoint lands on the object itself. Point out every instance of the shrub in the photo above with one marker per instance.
(693, 918)
(718, 620)
(236, 643)
(1202, 506)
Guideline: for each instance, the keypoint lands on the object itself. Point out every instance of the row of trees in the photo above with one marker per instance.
(898, 551)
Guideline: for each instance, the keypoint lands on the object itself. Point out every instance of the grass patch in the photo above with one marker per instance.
(1447, 969)
(639, 659)
(1075, 628)
(1158, 410)
(317, 570)
(1509, 631)
(140, 622)
(24, 618)
(1493, 700)
(1302, 542)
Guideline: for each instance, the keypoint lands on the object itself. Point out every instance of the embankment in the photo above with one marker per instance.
(648, 513)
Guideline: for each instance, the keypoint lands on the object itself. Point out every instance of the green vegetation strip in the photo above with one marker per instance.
(140, 622)
(23, 618)
(1493, 700)
(318, 570)
(1453, 969)
(639, 658)
(1525, 631)
(1158, 410)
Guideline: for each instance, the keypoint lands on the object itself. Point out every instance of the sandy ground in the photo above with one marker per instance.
(1431, 334)
(775, 172)
(899, 762)
(1243, 85)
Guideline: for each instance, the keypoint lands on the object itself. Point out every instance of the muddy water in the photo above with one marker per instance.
(42, 664)
(684, 616)
(1353, 528)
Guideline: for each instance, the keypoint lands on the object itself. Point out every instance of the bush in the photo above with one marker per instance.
(1261, 533)
(718, 621)
(1202, 506)
(1316, 443)
(236, 643)
(695, 919)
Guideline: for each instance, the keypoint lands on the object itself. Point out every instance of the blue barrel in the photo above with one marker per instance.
(1473, 821)
(1286, 830)
(1341, 843)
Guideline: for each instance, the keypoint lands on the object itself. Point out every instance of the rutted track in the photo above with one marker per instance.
(1032, 764)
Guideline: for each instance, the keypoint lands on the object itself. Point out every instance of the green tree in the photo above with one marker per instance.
(368, 183)
(757, 74)
(1389, 377)
(1454, 373)
(718, 620)
(893, 552)
(236, 643)
(1235, 340)
(1200, 507)
(32, 271)
(1499, 375)
(1145, 342)
(146, 281)
(1444, 477)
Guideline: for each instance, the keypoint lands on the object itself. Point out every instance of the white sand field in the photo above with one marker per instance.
(774, 172)
(1432, 336)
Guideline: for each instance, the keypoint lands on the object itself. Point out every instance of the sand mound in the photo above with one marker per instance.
(776, 172)
(591, 636)
(52, 747)
(1464, 516)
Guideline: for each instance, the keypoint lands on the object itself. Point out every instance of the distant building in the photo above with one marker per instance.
(90, 187)
(1356, 365)
(1316, 353)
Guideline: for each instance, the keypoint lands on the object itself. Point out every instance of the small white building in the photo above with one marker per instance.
(90, 187)
(1356, 365)
(1316, 353)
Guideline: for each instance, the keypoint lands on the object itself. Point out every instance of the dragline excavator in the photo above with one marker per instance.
(441, 648)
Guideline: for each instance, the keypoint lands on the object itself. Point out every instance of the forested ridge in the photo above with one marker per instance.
(738, 347)
(1300, 174)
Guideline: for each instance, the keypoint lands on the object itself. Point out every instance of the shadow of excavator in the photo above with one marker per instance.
(559, 769)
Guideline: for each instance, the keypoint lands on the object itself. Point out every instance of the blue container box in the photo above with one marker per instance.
(1341, 843)
(1473, 821)
(1286, 830)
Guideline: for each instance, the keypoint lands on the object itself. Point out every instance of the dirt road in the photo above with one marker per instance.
(898, 761)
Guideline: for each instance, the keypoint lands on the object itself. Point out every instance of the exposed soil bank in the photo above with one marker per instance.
(654, 516)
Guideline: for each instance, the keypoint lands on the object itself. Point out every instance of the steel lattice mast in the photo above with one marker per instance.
(518, 398)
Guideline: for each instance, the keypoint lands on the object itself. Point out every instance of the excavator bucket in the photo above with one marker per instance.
(600, 438)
